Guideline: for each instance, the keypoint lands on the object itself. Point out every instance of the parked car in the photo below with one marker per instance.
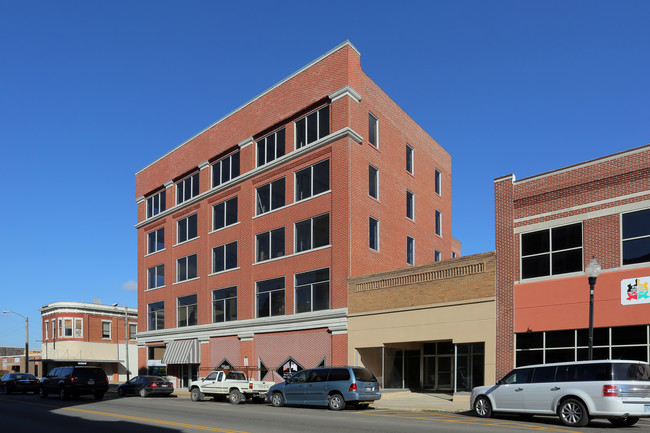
(145, 386)
(74, 381)
(19, 382)
(575, 391)
(233, 384)
(334, 387)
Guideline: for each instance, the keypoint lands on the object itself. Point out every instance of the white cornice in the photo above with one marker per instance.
(345, 91)
(204, 165)
(245, 143)
(84, 307)
(169, 184)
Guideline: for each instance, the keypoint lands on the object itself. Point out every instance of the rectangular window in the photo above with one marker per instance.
(312, 291)
(269, 245)
(270, 297)
(47, 330)
(312, 233)
(410, 205)
(437, 256)
(156, 315)
(156, 204)
(224, 214)
(186, 229)
(438, 227)
(133, 330)
(270, 147)
(409, 159)
(186, 268)
(224, 304)
(373, 130)
(224, 257)
(106, 330)
(187, 188)
(552, 251)
(67, 324)
(373, 235)
(454, 255)
(186, 311)
(410, 250)
(270, 196)
(373, 182)
(438, 182)
(313, 180)
(78, 328)
(313, 127)
(225, 169)
(636, 237)
(156, 276)
(156, 240)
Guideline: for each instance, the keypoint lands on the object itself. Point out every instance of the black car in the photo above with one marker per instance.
(74, 381)
(146, 385)
(19, 382)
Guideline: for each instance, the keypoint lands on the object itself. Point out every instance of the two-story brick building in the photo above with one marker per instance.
(248, 231)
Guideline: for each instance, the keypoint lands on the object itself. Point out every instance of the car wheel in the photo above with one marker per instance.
(120, 392)
(98, 395)
(196, 394)
(573, 413)
(624, 422)
(62, 394)
(234, 396)
(42, 393)
(483, 407)
(336, 402)
(143, 392)
(277, 399)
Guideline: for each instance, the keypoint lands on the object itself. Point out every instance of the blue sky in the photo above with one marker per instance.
(91, 92)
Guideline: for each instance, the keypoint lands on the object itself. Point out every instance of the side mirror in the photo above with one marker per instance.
(498, 382)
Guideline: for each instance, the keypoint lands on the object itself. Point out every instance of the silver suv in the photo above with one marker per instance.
(574, 391)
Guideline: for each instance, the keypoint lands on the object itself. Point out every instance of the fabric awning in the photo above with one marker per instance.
(182, 352)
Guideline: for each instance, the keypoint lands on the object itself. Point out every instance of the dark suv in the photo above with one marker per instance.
(73, 382)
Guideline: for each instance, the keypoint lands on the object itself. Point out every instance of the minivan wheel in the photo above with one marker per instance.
(623, 422)
(42, 393)
(336, 402)
(234, 396)
(277, 399)
(483, 407)
(196, 394)
(573, 413)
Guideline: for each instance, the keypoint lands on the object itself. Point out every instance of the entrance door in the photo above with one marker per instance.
(412, 369)
(444, 372)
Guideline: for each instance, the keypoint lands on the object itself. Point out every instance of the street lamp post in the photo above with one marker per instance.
(26, 337)
(126, 337)
(592, 270)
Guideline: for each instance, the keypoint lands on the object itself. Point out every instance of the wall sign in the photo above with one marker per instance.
(634, 291)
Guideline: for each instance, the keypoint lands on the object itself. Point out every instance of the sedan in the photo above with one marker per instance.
(146, 385)
(19, 382)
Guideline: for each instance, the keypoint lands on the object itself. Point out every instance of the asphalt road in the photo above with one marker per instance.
(173, 415)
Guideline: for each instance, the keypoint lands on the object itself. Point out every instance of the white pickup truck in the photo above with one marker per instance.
(233, 384)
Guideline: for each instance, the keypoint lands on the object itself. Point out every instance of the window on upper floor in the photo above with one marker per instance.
(186, 311)
(269, 245)
(636, 237)
(312, 291)
(270, 196)
(438, 222)
(438, 182)
(312, 233)
(271, 147)
(454, 255)
(224, 257)
(156, 204)
(312, 127)
(410, 250)
(155, 276)
(186, 268)
(46, 329)
(106, 330)
(409, 159)
(224, 304)
(156, 315)
(437, 256)
(373, 235)
(78, 328)
(224, 214)
(156, 240)
(373, 182)
(552, 251)
(133, 330)
(270, 297)
(313, 180)
(410, 205)
(225, 169)
(187, 188)
(187, 228)
(373, 130)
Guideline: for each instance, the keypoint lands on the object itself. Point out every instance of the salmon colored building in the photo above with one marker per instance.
(248, 231)
(548, 228)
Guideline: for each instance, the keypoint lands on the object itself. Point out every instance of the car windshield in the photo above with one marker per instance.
(631, 371)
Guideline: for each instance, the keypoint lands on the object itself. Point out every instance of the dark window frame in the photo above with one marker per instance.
(190, 308)
(264, 147)
(227, 298)
(156, 275)
(156, 240)
(222, 259)
(156, 203)
(268, 242)
(310, 173)
(187, 228)
(314, 240)
(312, 284)
(225, 169)
(224, 211)
(275, 294)
(272, 198)
(187, 268)
(304, 131)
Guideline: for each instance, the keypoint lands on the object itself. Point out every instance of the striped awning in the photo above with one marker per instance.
(182, 352)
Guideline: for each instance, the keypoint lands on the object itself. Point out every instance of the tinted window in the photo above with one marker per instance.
(587, 372)
(89, 373)
(544, 374)
(299, 377)
(517, 376)
(364, 375)
(318, 375)
(631, 371)
(337, 374)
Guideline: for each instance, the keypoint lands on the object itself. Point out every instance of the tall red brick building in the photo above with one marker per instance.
(548, 228)
(248, 231)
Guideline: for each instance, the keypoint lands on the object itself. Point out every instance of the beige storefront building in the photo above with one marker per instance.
(429, 327)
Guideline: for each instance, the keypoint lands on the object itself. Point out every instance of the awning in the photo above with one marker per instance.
(182, 352)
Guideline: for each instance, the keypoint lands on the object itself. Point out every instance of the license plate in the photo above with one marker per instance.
(91, 382)
(165, 386)
(370, 388)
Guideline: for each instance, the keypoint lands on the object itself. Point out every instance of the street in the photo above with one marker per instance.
(173, 414)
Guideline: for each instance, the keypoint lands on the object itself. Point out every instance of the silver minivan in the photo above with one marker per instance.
(575, 391)
(334, 387)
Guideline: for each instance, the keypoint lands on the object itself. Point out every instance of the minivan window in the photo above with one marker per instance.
(544, 374)
(318, 375)
(337, 374)
(299, 377)
(624, 371)
(587, 372)
(364, 375)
